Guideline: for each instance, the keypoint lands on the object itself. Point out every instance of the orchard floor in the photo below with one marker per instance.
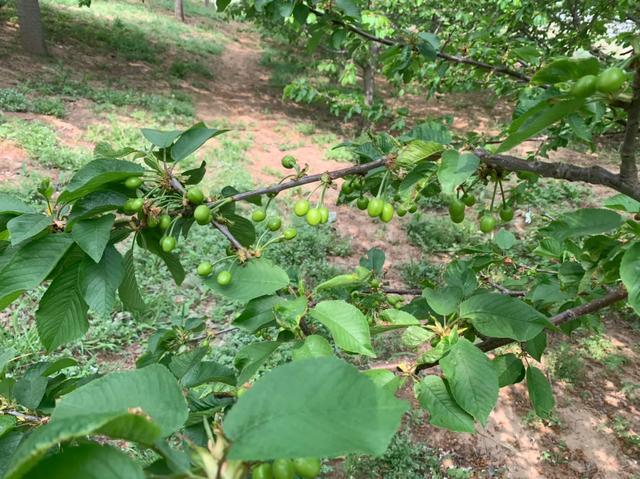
(594, 432)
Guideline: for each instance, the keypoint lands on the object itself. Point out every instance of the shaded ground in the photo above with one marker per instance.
(592, 433)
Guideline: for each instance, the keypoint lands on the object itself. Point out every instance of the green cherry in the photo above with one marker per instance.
(205, 268)
(301, 207)
(259, 215)
(224, 278)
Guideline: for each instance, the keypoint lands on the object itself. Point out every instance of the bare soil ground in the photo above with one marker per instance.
(580, 443)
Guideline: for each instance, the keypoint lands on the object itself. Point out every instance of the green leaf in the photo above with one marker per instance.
(8, 445)
(30, 265)
(6, 357)
(374, 261)
(160, 138)
(348, 326)
(207, 372)
(443, 301)
(242, 229)
(97, 173)
(384, 379)
(509, 368)
(257, 314)
(27, 226)
(395, 319)
(541, 120)
(415, 336)
(433, 395)
(6, 424)
(540, 393)
(92, 235)
(300, 13)
(630, 275)
(101, 281)
(222, 4)
(472, 378)
(320, 407)
(150, 240)
(349, 7)
(501, 316)
(566, 69)
(250, 358)
(62, 314)
(88, 461)
(9, 204)
(536, 346)
(416, 151)
(314, 346)
(343, 280)
(128, 289)
(192, 139)
(455, 169)
(31, 387)
(623, 203)
(96, 203)
(460, 274)
(505, 239)
(152, 389)
(288, 313)
(583, 222)
(42, 439)
(255, 278)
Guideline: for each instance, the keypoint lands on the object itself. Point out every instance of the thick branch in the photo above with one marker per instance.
(628, 164)
(596, 175)
(502, 70)
(352, 170)
(560, 318)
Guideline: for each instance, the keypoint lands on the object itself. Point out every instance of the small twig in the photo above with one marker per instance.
(507, 291)
(26, 417)
(227, 234)
(404, 292)
(560, 318)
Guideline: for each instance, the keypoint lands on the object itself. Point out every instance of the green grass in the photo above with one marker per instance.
(183, 69)
(438, 233)
(42, 145)
(14, 100)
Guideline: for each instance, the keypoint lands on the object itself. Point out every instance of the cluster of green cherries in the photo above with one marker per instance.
(305, 468)
(487, 221)
(609, 81)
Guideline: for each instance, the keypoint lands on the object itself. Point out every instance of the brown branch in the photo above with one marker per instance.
(596, 175)
(403, 291)
(628, 164)
(502, 70)
(560, 318)
(352, 170)
(227, 234)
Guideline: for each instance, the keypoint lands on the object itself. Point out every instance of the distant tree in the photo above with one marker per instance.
(179, 10)
(31, 30)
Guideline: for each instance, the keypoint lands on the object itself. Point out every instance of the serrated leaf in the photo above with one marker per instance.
(257, 314)
(128, 290)
(433, 395)
(97, 203)
(374, 260)
(36, 445)
(348, 326)
(472, 378)
(62, 313)
(509, 368)
(11, 205)
(455, 169)
(192, 139)
(152, 389)
(101, 281)
(30, 264)
(250, 358)
(583, 222)
(395, 319)
(630, 275)
(255, 278)
(89, 461)
(92, 235)
(505, 239)
(97, 173)
(536, 346)
(543, 119)
(384, 379)
(415, 336)
(623, 203)
(150, 240)
(566, 69)
(540, 392)
(314, 346)
(27, 226)
(343, 412)
(160, 138)
(443, 301)
(501, 316)
(416, 151)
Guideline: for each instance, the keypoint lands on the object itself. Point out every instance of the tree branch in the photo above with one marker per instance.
(596, 175)
(502, 70)
(352, 170)
(560, 318)
(628, 164)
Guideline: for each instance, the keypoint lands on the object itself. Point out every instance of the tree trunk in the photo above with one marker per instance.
(179, 9)
(31, 31)
(206, 3)
(369, 75)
